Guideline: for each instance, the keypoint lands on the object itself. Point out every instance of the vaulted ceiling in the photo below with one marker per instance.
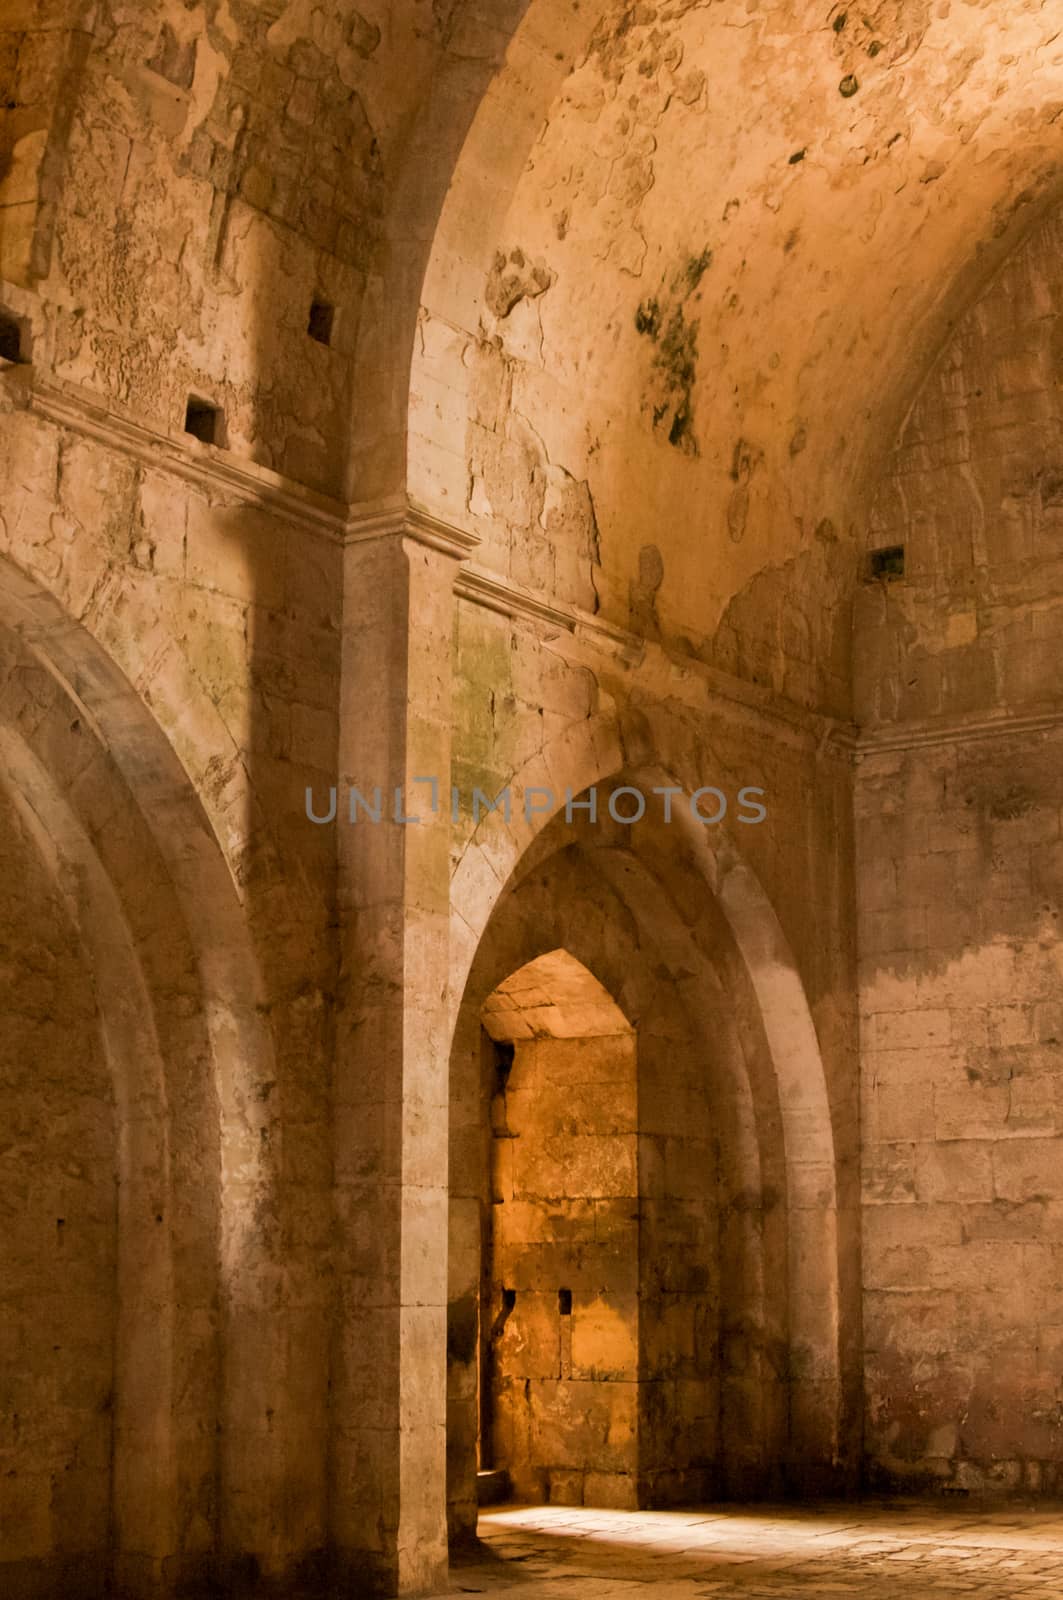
(718, 245)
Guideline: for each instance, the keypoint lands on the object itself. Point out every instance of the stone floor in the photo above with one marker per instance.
(899, 1551)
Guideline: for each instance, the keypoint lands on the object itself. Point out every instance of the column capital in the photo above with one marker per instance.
(397, 518)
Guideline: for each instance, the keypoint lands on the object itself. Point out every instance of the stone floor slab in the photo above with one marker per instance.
(898, 1551)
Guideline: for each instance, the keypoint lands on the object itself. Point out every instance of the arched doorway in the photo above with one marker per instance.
(559, 1328)
(131, 1027)
(737, 1394)
(744, 1320)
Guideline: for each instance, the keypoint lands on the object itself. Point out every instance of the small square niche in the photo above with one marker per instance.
(14, 340)
(320, 322)
(203, 420)
(887, 564)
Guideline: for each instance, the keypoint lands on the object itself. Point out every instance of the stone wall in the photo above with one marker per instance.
(58, 1240)
(960, 894)
(190, 620)
(565, 1362)
(663, 478)
(180, 212)
(212, 608)
(606, 1183)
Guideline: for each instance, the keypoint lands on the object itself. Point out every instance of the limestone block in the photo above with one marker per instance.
(541, 1221)
(972, 1110)
(530, 1344)
(668, 1335)
(585, 1165)
(913, 1030)
(565, 1413)
(889, 1174)
(1028, 1169)
(605, 1338)
(959, 1172)
(612, 1490)
(572, 1108)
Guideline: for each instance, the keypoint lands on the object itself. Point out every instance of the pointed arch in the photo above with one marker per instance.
(694, 920)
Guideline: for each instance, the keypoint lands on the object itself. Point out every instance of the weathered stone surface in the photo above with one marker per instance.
(298, 302)
(957, 839)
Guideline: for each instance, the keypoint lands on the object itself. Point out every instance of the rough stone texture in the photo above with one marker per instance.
(960, 896)
(176, 686)
(59, 1224)
(589, 1199)
(565, 1179)
(749, 271)
(629, 302)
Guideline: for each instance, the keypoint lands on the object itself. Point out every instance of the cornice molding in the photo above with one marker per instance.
(208, 466)
(966, 727)
(737, 700)
(729, 694)
(211, 468)
(398, 519)
(70, 406)
(495, 593)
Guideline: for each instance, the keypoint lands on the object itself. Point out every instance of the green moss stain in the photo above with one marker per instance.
(648, 318)
(696, 268)
(482, 691)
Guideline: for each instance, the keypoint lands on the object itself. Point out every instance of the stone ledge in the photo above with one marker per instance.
(966, 726)
(69, 406)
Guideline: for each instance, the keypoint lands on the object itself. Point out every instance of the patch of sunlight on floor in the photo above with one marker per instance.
(869, 1551)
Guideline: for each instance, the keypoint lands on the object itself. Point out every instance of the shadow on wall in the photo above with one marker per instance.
(131, 863)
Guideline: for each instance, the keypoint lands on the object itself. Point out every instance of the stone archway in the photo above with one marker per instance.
(651, 918)
(109, 825)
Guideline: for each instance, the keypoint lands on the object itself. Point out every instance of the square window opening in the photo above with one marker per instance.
(203, 420)
(320, 322)
(887, 563)
(14, 342)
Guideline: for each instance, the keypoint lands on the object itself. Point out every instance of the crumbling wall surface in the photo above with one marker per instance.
(58, 1239)
(42, 47)
(187, 211)
(661, 308)
(180, 183)
(960, 890)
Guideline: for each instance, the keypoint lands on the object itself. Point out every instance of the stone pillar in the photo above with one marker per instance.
(391, 1078)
